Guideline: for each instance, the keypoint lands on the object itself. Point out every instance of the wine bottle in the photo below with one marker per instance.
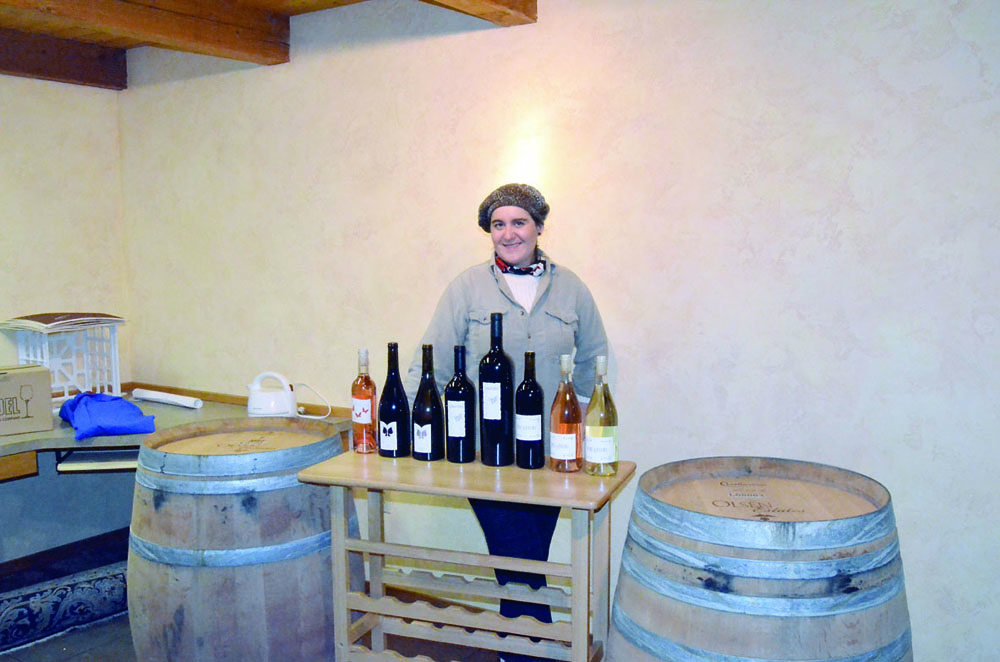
(565, 428)
(460, 407)
(428, 417)
(393, 412)
(496, 401)
(363, 407)
(600, 447)
(528, 404)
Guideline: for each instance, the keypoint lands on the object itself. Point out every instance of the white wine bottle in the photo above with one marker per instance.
(600, 448)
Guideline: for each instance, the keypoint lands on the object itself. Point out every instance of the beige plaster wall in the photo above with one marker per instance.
(61, 243)
(787, 213)
(61, 248)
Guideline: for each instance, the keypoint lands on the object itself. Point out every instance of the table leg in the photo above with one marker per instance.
(602, 573)
(580, 560)
(376, 562)
(341, 583)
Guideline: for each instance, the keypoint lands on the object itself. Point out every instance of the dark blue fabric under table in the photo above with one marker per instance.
(522, 531)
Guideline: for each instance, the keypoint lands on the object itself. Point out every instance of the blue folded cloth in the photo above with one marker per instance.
(94, 414)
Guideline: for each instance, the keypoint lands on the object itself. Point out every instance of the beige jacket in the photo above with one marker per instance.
(563, 318)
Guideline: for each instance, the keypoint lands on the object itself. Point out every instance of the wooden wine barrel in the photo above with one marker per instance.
(735, 558)
(229, 554)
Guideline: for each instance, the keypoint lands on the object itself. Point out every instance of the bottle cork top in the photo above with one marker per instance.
(601, 366)
(565, 363)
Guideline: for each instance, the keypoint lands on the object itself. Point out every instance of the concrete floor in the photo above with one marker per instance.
(111, 641)
(104, 641)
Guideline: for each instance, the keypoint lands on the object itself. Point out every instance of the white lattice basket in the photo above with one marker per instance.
(82, 356)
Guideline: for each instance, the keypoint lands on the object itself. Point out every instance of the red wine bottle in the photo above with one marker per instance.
(496, 401)
(529, 401)
(428, 416)
(460, 410)
(393, 411)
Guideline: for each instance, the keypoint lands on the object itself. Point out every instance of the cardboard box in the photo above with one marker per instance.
(25, 399)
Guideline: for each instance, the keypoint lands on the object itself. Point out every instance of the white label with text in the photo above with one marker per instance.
(421, 438)
(562, 446)
(528, 428)
(491, 401)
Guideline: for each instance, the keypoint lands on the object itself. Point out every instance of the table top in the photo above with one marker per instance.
(60, 437)
(472, 480)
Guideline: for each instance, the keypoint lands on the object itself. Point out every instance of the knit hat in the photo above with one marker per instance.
(526, 197)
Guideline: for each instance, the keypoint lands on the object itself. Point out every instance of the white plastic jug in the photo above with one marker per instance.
(270, 401)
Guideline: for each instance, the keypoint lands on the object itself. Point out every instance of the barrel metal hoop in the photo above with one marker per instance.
(236, 485)
(179, 464)
(225, 558)
(738, 567)
(665, 649)
(845, 532)
(762, 606)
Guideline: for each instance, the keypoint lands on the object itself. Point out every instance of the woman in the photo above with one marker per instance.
(546, 309)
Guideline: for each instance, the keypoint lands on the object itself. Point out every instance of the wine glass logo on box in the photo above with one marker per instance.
(25, 399)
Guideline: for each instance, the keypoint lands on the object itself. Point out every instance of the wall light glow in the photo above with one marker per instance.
(526, 155)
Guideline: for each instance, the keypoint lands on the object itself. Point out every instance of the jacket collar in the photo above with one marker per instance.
(544, 282)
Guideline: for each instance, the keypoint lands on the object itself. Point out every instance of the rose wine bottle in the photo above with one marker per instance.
(529, 401)
(393, 411)
(428, 417)
(460, 410)
(496, 401)
(363, 407)
(600, 447)
(565, 424)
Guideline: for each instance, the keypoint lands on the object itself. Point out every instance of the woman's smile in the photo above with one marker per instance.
(515, 235)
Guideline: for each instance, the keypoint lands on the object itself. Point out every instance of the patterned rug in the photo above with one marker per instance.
(42, 610)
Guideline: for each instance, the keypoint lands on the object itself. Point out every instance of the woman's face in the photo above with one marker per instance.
(514, 235)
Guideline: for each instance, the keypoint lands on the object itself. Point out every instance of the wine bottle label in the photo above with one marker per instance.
(456, 417)
(421, 438)
(361, 410)
(387, 438)
(601, 444)
(562, 446)
(528, 428)
(491, 401)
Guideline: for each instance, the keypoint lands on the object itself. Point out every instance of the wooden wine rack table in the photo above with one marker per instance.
(581, 639)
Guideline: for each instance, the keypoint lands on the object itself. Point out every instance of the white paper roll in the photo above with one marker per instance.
(166, 398)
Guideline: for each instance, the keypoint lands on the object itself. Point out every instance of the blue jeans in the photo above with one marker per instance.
(522, 531)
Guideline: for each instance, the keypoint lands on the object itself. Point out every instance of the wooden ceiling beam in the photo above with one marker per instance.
(62, 60)
(296, 7)
(504, 13)
(220, 28)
